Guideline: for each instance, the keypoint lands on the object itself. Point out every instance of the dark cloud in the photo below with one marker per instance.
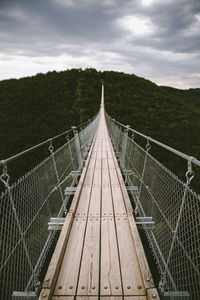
(159, 40)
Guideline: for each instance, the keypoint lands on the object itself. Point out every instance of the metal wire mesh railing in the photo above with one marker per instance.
(27, 205)
(173, 206)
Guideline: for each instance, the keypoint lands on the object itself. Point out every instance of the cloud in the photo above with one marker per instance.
(159, 40)
(136, 26)
(65, 3)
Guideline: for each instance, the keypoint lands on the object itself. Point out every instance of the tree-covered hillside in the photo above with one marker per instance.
(35, 108)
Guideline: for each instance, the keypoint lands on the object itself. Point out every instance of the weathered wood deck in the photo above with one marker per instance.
(99, 253)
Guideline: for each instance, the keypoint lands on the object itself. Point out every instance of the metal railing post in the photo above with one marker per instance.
(70, 151)
(124, 143)
(117, 134)
(78, 147)
(51, 149)
(148, 147)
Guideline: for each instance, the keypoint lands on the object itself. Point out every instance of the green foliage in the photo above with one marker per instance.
(88, 94)
(36, 108)
(167, 114)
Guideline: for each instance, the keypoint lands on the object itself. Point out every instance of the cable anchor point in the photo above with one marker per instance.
(148, 146)
(5, 177)
(51, 148)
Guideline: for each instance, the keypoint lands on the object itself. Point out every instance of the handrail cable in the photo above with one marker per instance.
(5, 161)
(190, 159)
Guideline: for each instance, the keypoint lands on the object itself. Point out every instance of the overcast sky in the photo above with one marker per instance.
(155, 39)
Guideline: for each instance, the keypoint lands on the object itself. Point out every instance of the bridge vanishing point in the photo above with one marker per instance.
(98, 202)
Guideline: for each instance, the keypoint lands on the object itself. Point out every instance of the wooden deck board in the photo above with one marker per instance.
(111, 298)
(110, 266)
(83, 205)
(131, 274)
(63, 298)
(135, 298)
(68, 276)
(95, 200)
(87, 298)
(152, 294)
(107, 205)
(119, 206)
(101, 256)
(89, 272)
(54, 266)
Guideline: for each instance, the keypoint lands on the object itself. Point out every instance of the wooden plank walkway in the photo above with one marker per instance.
(99, 253)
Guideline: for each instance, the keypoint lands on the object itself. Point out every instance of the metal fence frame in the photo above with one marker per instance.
(27, 206)
(172, 205)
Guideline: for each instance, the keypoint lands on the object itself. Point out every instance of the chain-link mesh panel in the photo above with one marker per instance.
(26, 208)
(174, 208)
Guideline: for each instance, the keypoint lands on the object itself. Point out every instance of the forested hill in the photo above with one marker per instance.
(35, 108)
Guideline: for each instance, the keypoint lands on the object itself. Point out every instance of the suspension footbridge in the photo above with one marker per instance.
(98, 190)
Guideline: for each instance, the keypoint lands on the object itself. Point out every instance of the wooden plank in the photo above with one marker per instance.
(68, 276)
(120, 178)
(110, 280)
(145, 271)
(75, 200)
(95, 200)
(54, 266)
(107, 205)
(45, 294)
(131, 277)
(63, 298)
(109, 148)
(82, 209)
(152, 294)
(89, 272)
(112, 298)
(135, 298)
(119, 207)
(83, 205)
(121, 182)
(87, 298)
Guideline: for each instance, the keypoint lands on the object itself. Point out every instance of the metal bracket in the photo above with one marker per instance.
(24, 296)
(56, 223)
(70, 190)
(132, 188)
(75, 175)
(145, 223)
(85, 154)
(176, 294)
(127, 173)
(87, 148)
(86, 151)
(117, 154)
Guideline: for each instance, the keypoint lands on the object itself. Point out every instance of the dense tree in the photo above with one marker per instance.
(36, 108)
